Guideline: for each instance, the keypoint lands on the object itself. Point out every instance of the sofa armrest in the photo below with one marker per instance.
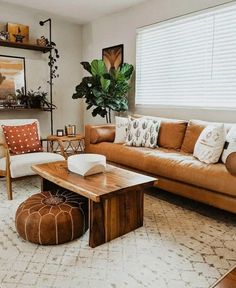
(231, 163)
(99, 133)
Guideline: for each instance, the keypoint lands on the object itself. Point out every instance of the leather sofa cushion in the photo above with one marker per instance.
(170, 164)
(193, 131)
(121, 154)
(185, 168)
(103, 133)
(171, 134)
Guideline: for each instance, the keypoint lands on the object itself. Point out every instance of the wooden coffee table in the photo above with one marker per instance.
(115, 197)
(227, 281)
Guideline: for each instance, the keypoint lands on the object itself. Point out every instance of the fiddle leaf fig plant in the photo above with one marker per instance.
(104, 90)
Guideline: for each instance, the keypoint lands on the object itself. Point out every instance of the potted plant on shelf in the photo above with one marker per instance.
(105, 90)
(34, 99)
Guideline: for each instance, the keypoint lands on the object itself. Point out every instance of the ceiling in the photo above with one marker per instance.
(78, 11)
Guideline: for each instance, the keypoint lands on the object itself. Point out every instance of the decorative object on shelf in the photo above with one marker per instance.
(70, 130)
(12, 76)
(18, 32)
(22, 97)
(60, 132)
(87, 164)
(19, 37)
(42, 41)
(52, 62)
(34, 99)
(4, 35)
(10, 101)
(113, 56)
(105, 90)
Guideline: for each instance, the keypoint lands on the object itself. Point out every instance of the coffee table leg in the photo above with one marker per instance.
(47, 185)
(115, 216)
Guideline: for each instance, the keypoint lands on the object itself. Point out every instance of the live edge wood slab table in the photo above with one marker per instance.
(115, 197)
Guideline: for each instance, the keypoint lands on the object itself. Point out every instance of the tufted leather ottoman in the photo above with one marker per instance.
(52, 217)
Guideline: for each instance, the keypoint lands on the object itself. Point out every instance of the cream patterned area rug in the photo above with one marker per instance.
(182, 244)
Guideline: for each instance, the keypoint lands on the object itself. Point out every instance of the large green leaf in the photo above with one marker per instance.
(126, 70)
(105, 83)
(104, 90)
(96, 92)
(86, 66)
(89, 106)
(99, 111)
(100, 101)
(81, 90)
(98, 68)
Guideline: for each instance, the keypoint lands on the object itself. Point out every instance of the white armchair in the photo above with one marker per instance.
(15, 166)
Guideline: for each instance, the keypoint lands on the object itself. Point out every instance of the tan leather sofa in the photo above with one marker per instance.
(172, 162)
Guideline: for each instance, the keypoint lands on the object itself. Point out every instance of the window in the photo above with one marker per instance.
(188, 61)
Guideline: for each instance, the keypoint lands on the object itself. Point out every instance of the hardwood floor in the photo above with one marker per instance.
(228, 281)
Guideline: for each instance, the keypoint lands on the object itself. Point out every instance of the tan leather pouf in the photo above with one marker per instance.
(231, 163)
(52, 218)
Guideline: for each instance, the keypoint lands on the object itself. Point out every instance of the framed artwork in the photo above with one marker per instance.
(18, 32)
(113, 56)
(12, 76)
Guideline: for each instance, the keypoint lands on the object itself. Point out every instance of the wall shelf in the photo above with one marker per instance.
(42, 49)
(26, 46)
(24, 109)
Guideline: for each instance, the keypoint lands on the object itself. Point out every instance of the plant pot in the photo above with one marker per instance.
(35, 102)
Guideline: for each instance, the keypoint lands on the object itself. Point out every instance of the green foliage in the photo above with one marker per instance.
(34, 99)
(104, 90)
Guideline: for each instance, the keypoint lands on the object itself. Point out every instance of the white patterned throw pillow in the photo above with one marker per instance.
(210, 144)
(142, 133)
(230, 144)
(121, 129)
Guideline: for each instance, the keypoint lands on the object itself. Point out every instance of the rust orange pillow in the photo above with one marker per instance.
(23, 138)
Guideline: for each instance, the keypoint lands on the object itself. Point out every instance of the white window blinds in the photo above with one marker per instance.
(188, 61)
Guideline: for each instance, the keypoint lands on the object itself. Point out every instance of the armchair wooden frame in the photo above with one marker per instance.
(7, 172)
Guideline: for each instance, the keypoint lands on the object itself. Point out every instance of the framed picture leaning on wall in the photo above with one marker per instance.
(12, 76)
(113, 56)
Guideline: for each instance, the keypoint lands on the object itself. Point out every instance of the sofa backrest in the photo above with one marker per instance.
(193, 131)
(180, 134)
(14, 122)
(171, 133)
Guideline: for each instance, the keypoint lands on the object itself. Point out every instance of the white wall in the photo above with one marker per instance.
(121, 28)
(68, 38)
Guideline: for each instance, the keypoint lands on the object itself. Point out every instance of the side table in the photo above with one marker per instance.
(66, 145)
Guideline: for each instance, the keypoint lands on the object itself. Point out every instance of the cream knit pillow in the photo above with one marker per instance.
(210, 144)
(121, 129)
